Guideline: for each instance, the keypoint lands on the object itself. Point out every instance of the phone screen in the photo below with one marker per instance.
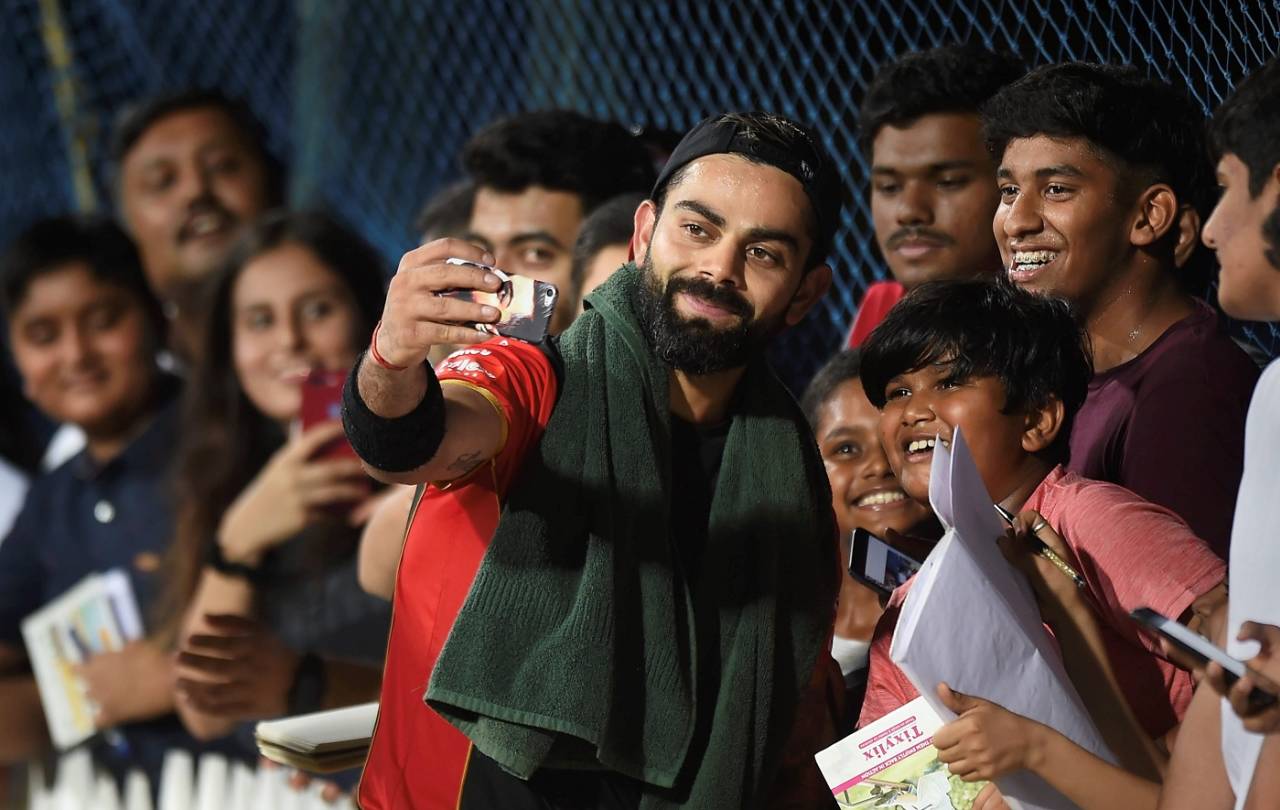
(874, 562)
(1204, 651)
(526, 304)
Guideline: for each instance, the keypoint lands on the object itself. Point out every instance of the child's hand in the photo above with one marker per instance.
(990, 799)
(1267, 664)
(290, 491)
(130, 684)
(1057, 594)
(986, 741)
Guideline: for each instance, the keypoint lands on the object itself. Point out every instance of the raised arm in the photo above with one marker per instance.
(1076, 627)
(403, 425)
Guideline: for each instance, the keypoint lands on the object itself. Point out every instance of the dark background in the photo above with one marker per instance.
(369, 100)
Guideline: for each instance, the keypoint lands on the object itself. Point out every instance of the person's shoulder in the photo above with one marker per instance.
(1268, 389)
(1071, 487)
(46, 495)
(879, 298)
(1198, 349)
(1076, 500)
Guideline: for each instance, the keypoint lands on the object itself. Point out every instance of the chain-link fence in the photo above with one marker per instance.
(369, 101)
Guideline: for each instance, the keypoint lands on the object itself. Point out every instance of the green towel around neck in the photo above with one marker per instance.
(577, 646)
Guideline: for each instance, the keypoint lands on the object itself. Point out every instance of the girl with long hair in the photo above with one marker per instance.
(264, 603)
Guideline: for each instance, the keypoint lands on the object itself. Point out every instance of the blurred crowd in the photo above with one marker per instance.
(611, 568)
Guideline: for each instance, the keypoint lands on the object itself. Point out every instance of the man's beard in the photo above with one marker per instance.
(693, 345)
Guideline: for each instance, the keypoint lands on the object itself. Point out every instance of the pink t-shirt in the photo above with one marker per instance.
(1131, 553)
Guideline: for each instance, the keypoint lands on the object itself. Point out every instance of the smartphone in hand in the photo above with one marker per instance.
(322, 402)
(877, 564)
(1203, 651)
(525, 303)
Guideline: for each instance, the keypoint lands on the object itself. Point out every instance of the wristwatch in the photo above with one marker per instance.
(218, 562)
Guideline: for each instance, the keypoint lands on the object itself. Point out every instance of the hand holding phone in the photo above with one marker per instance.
(877, 564)
(526, 305)
(322, 402)
(1264, 693)
(417, 317)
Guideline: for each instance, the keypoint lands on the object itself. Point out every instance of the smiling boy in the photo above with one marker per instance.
(1224, 764)
(1011, 370)
(1101, 175)
(864, 495)
(84, 329)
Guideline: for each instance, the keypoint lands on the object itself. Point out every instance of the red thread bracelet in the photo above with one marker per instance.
(377, 356)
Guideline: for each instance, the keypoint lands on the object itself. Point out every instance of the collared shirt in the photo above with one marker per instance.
(85, 518)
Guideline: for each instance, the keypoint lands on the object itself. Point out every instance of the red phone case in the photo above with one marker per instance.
(322, 402)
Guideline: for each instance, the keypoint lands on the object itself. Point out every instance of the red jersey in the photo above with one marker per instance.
(877, 302)
(1132, 554)
(416, 759)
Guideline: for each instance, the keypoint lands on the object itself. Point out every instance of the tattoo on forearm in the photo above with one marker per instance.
(465, 463)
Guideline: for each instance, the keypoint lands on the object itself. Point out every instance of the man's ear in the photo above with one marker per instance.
(646, 219)
(1043, 425)
(813, 285)
(1157, 210)
(1188, 235)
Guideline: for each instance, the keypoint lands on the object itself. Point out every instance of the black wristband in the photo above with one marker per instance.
(218, 562)
(306, 694)
(395, 445)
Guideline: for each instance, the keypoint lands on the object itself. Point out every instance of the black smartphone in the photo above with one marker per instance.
(877, 564)
(526, 304)
(1204, 651)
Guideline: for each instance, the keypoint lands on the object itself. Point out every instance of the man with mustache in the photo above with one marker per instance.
(932, 180)
(649, 516)
(190, 169)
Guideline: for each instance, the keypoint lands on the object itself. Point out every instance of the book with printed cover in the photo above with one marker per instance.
(100, 614)
(892, 764)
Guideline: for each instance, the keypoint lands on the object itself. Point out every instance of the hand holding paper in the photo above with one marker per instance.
(971, 621)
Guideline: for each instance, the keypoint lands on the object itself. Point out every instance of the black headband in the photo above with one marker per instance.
(805, 160)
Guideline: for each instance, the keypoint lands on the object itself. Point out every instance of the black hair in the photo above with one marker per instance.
(336, 245)
(225, 439)
(97, 242)
(778, 135)
(560, 150)
(950, 79)
(135, 119)
(1148, 130)
(1032, 343)
(610, 224)
(1247, 125)
(844, 366)
(447, 212)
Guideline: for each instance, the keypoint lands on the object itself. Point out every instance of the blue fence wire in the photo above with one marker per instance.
(369, 102)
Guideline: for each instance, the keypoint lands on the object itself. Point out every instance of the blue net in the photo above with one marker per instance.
(369, 102)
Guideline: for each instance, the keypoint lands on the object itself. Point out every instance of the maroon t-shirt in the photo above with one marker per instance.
(1169, 424)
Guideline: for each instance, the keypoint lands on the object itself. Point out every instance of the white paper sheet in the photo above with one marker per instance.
(320, 732)
(971, 620)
